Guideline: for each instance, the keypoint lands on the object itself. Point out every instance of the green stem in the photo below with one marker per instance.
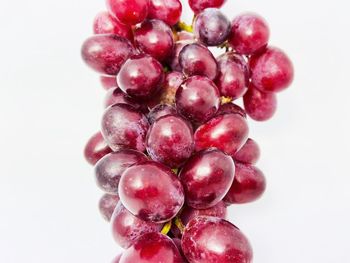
(184, 27)
(166, 228)
(179, 224)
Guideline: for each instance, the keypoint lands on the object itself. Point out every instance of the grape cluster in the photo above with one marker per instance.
(174, 149)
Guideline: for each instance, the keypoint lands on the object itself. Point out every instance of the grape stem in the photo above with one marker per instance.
(166, 228)
(225, 100)
(182, 26)
(179, 224)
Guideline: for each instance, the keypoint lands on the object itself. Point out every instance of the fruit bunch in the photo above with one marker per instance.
(173, 152)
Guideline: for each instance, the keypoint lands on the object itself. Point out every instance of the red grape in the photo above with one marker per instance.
(127, 228)
(155, 38)
(249, 153)
(210, 239)
(198, 99)
(151, 191)
(130, 12)
(260, 106)
(111, 167)
(104, 23)
(107, 205)
(226, 132)
(249, 34)
(106, 53)
(272, 70)
(141, 77)
(199, 5)
(108, 82)
(212, 27)
(196, 59)
(124, 127)
(170, 141)
(233, 77)
(206, 178)
(228, 108)
(249, 185)
(160, 111)
(152, 248)
(168, 11)
(96, 148)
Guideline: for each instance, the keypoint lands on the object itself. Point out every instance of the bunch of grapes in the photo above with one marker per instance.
(173, 152)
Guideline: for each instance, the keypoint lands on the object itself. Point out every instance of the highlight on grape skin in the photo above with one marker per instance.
(174, 150)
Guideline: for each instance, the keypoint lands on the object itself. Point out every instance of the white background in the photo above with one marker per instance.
(50, 104)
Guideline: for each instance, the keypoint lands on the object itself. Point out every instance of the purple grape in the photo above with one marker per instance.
(106, 53)
(196, 59)
(110, 168)
(198, 99)
(141, 77)
(124, 127)
(151, 191)
(207, 177)
(212, 27)
(170, 141)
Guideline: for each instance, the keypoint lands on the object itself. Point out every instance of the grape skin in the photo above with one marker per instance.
(151, 191)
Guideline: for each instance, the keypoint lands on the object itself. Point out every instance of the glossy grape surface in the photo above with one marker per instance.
(248, 186)
(155, 38)
(206, 178)
(196, 59)
(214, 240)
(199, 5)
(127, 228)
(168, 11)
(96, 148)
(130, 12)
(160, 111)
(106, 53)
(151, 191)
(152, 248)
(249, 153)
(249, 34)
(272, 70)
(141, 77)
(226, 132)
(104, 23)
(233, 77)
(124, 127)
(107, 204)
(212, 27)
(110, 168)
(198, 99)
(228, 108)
(260, 106)
(170, 141)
